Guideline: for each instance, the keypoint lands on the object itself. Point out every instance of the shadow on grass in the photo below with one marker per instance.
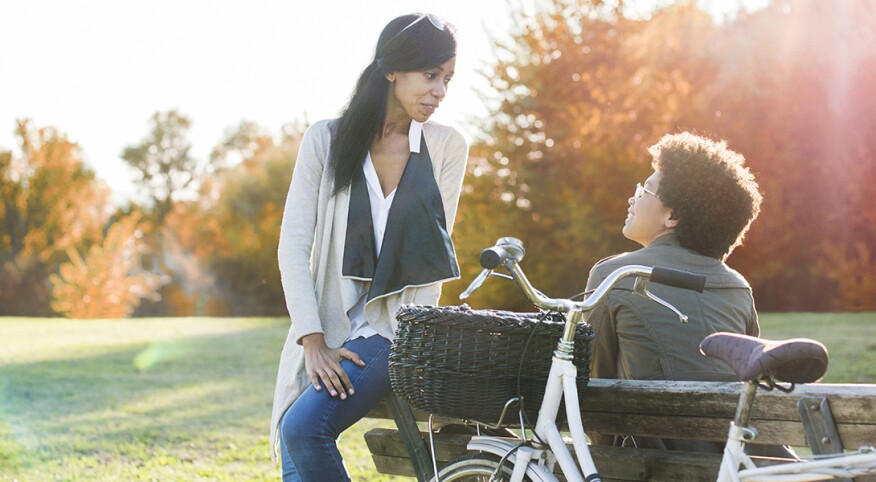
(191, 393)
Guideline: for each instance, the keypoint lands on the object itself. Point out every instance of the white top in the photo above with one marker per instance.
(379, 212)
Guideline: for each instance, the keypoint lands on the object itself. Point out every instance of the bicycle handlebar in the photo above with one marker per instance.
(509, 251)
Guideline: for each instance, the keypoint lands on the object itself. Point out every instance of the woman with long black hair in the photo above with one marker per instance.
(366, 229)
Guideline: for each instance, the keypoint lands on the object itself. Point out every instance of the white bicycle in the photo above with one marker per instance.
(792, 362)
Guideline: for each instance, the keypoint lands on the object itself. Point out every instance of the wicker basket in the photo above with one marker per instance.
(464, 363)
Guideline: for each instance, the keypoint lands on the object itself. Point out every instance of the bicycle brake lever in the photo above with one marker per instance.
(641, 289)
(478, 281)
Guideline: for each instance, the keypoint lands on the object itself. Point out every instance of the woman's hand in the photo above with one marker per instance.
(324, 365)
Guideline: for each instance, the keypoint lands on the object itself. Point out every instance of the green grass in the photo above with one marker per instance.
(850, 339)
(190, 398)
(149, 399)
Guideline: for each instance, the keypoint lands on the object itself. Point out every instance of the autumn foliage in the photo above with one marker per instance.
(108, 282)
(584, 89)
(234, 227)
(578, 93)
(54, 255)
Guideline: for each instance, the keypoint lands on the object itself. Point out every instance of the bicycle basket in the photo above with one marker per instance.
(464, 363)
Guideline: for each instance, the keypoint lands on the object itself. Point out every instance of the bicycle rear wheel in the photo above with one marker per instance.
(476, 468)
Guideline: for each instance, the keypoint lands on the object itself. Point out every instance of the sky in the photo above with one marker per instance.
(98, 69)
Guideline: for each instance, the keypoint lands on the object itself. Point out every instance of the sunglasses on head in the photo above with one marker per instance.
(434, 20)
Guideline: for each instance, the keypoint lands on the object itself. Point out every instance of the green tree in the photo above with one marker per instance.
(164, 163)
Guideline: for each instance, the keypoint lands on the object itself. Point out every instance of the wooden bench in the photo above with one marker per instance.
(825, 417)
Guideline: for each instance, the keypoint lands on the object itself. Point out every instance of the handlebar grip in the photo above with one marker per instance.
(678, 278)
(505, 249)
(491, 258)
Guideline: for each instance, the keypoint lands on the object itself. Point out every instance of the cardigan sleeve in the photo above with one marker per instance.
(297, 232)
(452, 173)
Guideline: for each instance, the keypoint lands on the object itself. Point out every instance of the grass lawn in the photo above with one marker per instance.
(183, 399)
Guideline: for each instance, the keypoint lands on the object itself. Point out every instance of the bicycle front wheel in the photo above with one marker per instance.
(475, 468)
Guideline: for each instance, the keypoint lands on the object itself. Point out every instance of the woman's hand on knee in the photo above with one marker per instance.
(324, 365)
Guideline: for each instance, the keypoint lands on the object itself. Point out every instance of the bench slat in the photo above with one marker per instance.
(615, 463)
(703, 410)
(850, 403)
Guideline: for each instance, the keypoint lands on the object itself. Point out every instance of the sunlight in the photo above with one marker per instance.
(159, 352)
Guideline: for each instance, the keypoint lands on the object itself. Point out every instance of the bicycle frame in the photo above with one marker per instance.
(537, 463)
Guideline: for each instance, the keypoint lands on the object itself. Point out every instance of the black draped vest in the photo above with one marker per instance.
(416, 248)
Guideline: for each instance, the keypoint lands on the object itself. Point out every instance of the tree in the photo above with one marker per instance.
(109, 282)
(795, 95)
(49, 203)
(233, 228)
(583, 90)
(52, 208)
(164, 163)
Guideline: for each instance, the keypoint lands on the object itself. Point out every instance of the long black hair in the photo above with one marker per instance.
(403, 46)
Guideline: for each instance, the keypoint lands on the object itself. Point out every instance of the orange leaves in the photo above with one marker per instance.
(110, 281)
(853, 269)
(790, 88)
(51, 204)
(233, 229)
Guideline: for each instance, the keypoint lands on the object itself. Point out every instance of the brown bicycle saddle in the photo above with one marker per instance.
(799, 360)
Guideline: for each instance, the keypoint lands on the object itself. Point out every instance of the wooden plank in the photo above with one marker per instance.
(693, 428)
(393, 465)
(855, 403)
(703, 410)
(615, 463)
(850, 403)
(625, 464)
(385, 441)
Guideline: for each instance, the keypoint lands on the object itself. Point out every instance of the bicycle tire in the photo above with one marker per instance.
(475, 468)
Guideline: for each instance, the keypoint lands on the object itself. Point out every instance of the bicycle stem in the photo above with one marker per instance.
(566, 346)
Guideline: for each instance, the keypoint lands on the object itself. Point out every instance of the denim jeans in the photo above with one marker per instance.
(310, 427)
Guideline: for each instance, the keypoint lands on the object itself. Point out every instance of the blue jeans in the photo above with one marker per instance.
(310, 427)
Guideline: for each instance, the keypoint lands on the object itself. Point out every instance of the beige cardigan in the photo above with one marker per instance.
(311, 252)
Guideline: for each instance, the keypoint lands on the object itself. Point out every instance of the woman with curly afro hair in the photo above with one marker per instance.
(689, 215)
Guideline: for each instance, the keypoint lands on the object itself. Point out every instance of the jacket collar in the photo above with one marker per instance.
(668, 239)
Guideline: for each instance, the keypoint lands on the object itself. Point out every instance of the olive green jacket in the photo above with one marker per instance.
(641, 340)
(637, 339)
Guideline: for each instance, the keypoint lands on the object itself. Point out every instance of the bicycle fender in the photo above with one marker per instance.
(501, 447)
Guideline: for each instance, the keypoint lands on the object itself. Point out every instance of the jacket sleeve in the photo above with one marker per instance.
(297, 232)
(752, 325)
(452, 173)
(605, 347)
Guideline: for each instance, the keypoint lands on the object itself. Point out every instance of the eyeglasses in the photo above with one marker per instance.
(641, 190)
(434, 20)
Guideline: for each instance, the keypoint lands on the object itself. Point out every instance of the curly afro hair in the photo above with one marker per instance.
(712, 194)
